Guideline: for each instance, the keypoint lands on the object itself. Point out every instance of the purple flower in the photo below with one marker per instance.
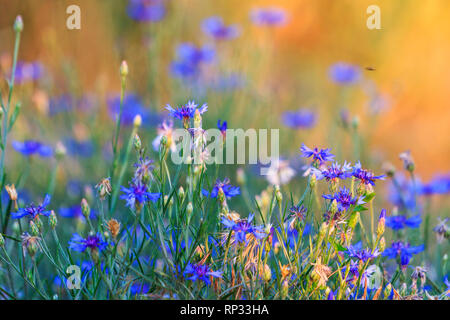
(321, 156)
(400, 222)
(438, 185)
(28, 71)
(146, 10)
(31, 147)
(402, 250)
(333, 172)
(190, 58)
(301, 119)
(201, 272)
(137, 194)
(268, 16)
(33, 211)
(83, 149)
(93, 242)
(243, 227)
(344, 199)
(186, 111)
(344, 73)
(358, 252)
(75, 212)
(215, 28)
(365, 176)
(229, 190)
(132, 106)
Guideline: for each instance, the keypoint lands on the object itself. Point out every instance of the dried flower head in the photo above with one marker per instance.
(114, 227)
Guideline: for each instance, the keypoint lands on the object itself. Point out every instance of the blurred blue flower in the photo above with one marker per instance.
(28, 71)
(146, 10)
(301, 119)
(271, 16)
(132, 106)
(190, 58)
(75, 212)
(440, 184)
(31, 147)
(344, 73)
(402, 250)
(356, 251)
(33, 211)
(83, 149)
(201, 272)
(215, 28)
(400, 222)
(93, 242)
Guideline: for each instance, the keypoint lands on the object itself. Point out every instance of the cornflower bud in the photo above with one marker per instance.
(313, 181)
(333, 207)
(278, 194)
(53, 220)
(123, 69)
(60, 150)
(353, 220)
(85, 209)
(381, 223)
(387, 290)
(104, 188)
(197, 119)
(382, 244)
(30, 244)
(267, 273)
(137, 143)
(137, 121)
(18, 24)
(39, 224)
(408, 161)
(389, 169)
(355, 122)
(181, 193)
(240, 176)
(284, 289)
(189, 208)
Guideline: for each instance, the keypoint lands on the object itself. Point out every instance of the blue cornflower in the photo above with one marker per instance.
(333, 172)
(28, 71)
(132, 106)
(222, 126)
(366, 177)
(33, 211)
(146, 10)
(83, 149)
(243, 227)
(400, 222)
(93, 242)
(60, 104)
(186, 111)
(320, 156)
(228, 189)
(268, 16)
(75, 212)
(216, 28)
(201, 272)
(344, 199)
(137, 194)
(402, 250)
(31, 147)
(301, 119)
(438, 185)
(344, 73)
(190, 58)
(356, 251)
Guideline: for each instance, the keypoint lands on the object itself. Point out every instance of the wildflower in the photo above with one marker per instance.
(222, 126)
(18, 24)
(408, 162)
(271, 16)
(114, 227)
(146, 10)
(143, 170)
(279, 172)
(356, 251)
(12, 192)
(30, 244)
(243, 227)
(165, 129)
(402, 250)
(201, 272)
(137, 194)
(33, 211)
(399, 222)
(85, 209)
(298, 214)
(344, 73)
(266, 273)
(28, 71)
(319, 156)
(190, 59)
(93, 242)
(301, 119)
(333, 172)
(31, 147)
(53, 221)
(344, 199)
(442, 230)
(216, 28)
(321, 272)
(228, 189)
(420, 273)
(381, 223)
(133, 105)
(365, 177)
(186, 112)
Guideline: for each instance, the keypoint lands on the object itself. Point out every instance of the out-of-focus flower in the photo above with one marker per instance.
(165, 129)
(28, 71)
(93, 242)
(442, 230)
(190, 59)
(401, 221)
(83, 149)
(143, 171)
(34, 211)
(146, 10)
(228, 190)
(344, 73)
(271, 16)
(279, 172)
(408, 162)
(402, 250)
(440, 184)
(216, 28)
(356, 251)
(300, 119)
(31, 147)
(186, 112)
(104, 188)
(344, 198)
(75, 212)
(319, 156)
(242, 227)
(201, 272)
(298, 214)
(132, 106)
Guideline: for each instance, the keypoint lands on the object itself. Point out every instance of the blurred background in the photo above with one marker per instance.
(248, 77)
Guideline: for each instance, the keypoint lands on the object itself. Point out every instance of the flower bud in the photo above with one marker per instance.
(388, 290)
(137, 143)
(123, 69)
(18, 24)
(408, 161)
(39, 224)
(137, 121)
(333, 207)
(278, 194)
(181, 193)
(313, 181)
(382, 244)
(381, 223)
(284, 289)
(267, 273)
(53, 220)
(189, 208)
(2, 240)
(197, 119)
(85, 209)
(60, 150)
